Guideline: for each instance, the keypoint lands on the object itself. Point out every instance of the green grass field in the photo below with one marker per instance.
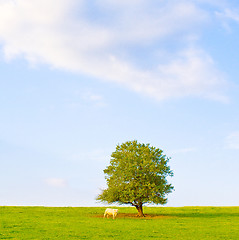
(88, 223)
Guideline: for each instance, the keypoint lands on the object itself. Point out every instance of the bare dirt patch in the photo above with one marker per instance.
(132, 215)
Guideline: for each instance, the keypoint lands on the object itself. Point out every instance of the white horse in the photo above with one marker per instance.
(110, 211)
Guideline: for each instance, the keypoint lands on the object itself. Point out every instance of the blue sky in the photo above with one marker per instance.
(78, 78)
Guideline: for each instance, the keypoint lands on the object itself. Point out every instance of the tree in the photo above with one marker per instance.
(137, 175)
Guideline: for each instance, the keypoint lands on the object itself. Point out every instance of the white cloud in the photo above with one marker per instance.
(56, 182)
(144, 21)
(65, 35)
(85, 97)
(94, 98)
(191, 73)
(227, 15)
(232, 14)
(184, 150)
(232, 141)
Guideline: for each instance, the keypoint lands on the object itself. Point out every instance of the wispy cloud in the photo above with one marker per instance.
(184, 150)
(104, 39)
(94, 98)
(85, 97)
(56, 182)
(232, 14)
(232, 141)
(228, 15)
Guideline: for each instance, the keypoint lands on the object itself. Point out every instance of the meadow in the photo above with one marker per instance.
(22, 223)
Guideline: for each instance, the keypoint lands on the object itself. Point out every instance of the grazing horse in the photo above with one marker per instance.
(110, 211)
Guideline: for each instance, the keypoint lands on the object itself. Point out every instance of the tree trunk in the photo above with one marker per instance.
(140, 210)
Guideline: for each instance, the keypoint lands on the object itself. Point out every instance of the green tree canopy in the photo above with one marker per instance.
(137, 175)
